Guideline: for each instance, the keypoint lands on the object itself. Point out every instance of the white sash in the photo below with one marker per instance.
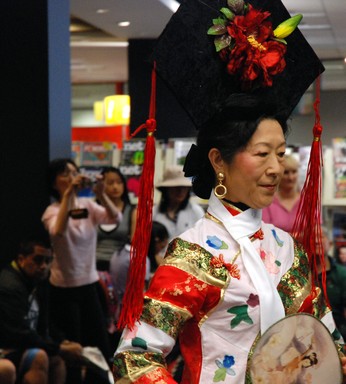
(241, 227)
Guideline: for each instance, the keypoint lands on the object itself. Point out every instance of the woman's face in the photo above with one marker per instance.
(289, 179)
(254, 173)
(342, 255)
(65, 178)
(114, 186)
(177, 194)
(160, 245)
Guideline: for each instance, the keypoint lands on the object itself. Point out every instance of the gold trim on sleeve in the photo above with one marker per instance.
(164, 316)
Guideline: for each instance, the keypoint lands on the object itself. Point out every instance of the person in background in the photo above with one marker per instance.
(340, 254)
(27, 336)
(72, 224)
(7, 371)
(121, 262)
(111, 238)
(158, 243)
(336, 283)
(283, 210)
(175, 210)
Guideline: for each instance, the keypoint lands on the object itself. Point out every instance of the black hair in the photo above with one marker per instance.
(56, 167)
(158, 231)
(125, 196)
(26, 247)
(229, 136)
(337, 253)
(164, 201)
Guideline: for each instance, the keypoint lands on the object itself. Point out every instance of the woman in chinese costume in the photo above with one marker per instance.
(230, 277)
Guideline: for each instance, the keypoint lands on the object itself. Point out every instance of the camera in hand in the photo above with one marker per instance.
(89, 180)
(78, 213)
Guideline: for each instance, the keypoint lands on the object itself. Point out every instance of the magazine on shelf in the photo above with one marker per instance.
(339, 149)
(340, 180)
(131, 163)
(97, 154)
(181, 148)
(339, 156)
(339, 228)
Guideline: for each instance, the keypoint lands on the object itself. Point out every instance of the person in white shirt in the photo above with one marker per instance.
(175, 209)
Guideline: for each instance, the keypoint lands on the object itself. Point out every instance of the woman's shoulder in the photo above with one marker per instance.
(195, 259)
(129, 209)
(51, 209)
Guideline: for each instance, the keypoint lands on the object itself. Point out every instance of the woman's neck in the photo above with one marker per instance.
(288, 198)
(119, 203)
(173, 206)
(240, 206)
(288, 193)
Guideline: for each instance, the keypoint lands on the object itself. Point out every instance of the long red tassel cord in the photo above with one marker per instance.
(307, 225)
(132, 304)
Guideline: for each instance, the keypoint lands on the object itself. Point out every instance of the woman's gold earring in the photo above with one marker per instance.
(220, 190)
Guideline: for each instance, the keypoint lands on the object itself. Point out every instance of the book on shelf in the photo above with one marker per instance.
(339, 158)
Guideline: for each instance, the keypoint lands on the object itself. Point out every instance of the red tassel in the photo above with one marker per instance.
(132, 304)
(307, 225)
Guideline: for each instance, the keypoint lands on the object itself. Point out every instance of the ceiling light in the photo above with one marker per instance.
(311, 27)
(102, 10)
(117, 109)
(100, 44)
(173, 5)
(124, 23)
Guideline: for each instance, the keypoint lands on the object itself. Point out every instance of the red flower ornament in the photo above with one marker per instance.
(246, 41)
(219, 262)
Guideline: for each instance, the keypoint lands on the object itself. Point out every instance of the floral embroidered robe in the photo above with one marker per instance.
(204, 294)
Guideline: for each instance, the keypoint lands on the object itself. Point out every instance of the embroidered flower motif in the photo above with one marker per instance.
(138, 342)
(241, 314)
(188, 285)
(216, 243)
(177, 292)
(279, 242)
(200, 287)
(245, 39)
(253, 300)
(258, 235)
(270, 262)
(219, 262)
(224, 367)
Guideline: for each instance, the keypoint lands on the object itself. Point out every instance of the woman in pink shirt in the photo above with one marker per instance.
(282, 211)
(72, 224)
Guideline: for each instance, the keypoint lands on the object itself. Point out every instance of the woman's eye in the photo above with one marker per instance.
(263, 154)
(281, 154)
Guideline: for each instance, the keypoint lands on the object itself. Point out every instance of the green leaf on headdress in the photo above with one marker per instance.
(283, 41)
(236, 6)
(222, 42)
(217, 30)
(219, 21)
(228, 13)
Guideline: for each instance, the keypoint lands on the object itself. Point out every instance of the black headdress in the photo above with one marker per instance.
(199, 76)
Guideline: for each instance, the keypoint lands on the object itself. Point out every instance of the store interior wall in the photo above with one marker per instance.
(333, 120)
(28, 120)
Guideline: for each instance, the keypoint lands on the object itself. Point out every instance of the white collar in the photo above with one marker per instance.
(241, 227)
